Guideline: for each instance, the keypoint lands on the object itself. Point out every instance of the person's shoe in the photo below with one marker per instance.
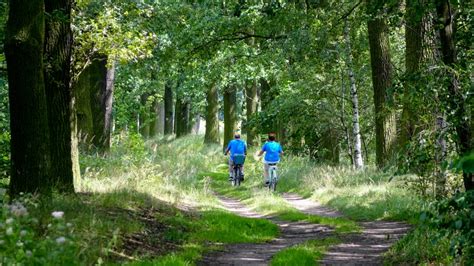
(230, 178)
(266, 183)
(242, 177)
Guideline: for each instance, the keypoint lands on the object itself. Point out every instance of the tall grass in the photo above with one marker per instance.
(367, 194)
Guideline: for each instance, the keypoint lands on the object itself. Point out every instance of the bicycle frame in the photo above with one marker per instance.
(273, 177)
(236, 175)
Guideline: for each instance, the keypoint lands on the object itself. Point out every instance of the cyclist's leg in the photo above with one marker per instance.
(231, 168)
(265, 172)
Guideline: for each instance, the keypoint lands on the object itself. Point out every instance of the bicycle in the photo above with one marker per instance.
(272, 176)
(238, 161)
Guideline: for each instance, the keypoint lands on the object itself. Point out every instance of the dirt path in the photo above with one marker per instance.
(291, 233)
(365, 248)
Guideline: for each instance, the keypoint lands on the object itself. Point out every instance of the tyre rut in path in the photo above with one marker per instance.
(291, 233)
(365, 248)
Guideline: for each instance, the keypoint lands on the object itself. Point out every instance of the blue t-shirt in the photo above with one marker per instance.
(273, 150)
(237, 146)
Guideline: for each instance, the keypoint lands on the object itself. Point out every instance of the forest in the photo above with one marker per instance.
(115, 117)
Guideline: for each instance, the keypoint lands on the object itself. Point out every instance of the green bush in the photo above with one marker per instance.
(445, 234)
(454, 218)
(4, 154)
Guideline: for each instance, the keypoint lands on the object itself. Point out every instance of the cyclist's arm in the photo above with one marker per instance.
(260, 153)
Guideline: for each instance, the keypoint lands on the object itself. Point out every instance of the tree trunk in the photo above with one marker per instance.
(155, 116)
(30, 143)
(160, 123)
(330, 146)
(414, 16)
(358, 161)
(144, 118)
(251, 101)
(94, 96)
(101, 103)
(212, 121)
(457, 102)
(182, 116)
(265, 94)
(168, 109)
(385, 119)
(57, 76)
(230, 114)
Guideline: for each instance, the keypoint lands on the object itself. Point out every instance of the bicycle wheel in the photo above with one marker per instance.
(237, 176)
(273, 180)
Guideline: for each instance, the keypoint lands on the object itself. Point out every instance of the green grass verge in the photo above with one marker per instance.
(210, 230)
(261, 200)
(307, 253)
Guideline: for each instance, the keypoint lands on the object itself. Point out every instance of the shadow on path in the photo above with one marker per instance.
(365, 248)
(291, 233)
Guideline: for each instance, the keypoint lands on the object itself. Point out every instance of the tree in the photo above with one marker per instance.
(416, 18)
(168, 109)
(94, 93)
(230, 115)
(212, 121)
(385, 119)
(182, 116)
(30, 143)
(57, 75)
(358, 161)
(456, 101)
(251, 100)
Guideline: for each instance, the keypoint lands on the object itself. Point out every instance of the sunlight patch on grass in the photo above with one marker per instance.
(224, 227)
(307, 253)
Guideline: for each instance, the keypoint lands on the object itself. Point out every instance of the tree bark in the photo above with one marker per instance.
(57, 75)
(168, 109)
(30, 143)
(101, 104)
(414, 38)
(212, 121)
(230, 114)
(330, 146)
(94, 93)
(251, 101)
(144, 118)
(160, 124)
(155, 116)
(385, 119)
(182, 116)
(457, 103)
(358, 161)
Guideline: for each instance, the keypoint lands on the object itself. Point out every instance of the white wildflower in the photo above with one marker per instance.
(57, 214)
(17, 209)
(28, 253)
(69, 224)
(60, 240)
(23, 233)
(19, 244)
(9, 231)
(9, 221)
(2, 242)
(2, 192)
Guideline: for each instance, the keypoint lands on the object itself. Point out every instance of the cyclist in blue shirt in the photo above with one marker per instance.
(273, 151)
(235, 147)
